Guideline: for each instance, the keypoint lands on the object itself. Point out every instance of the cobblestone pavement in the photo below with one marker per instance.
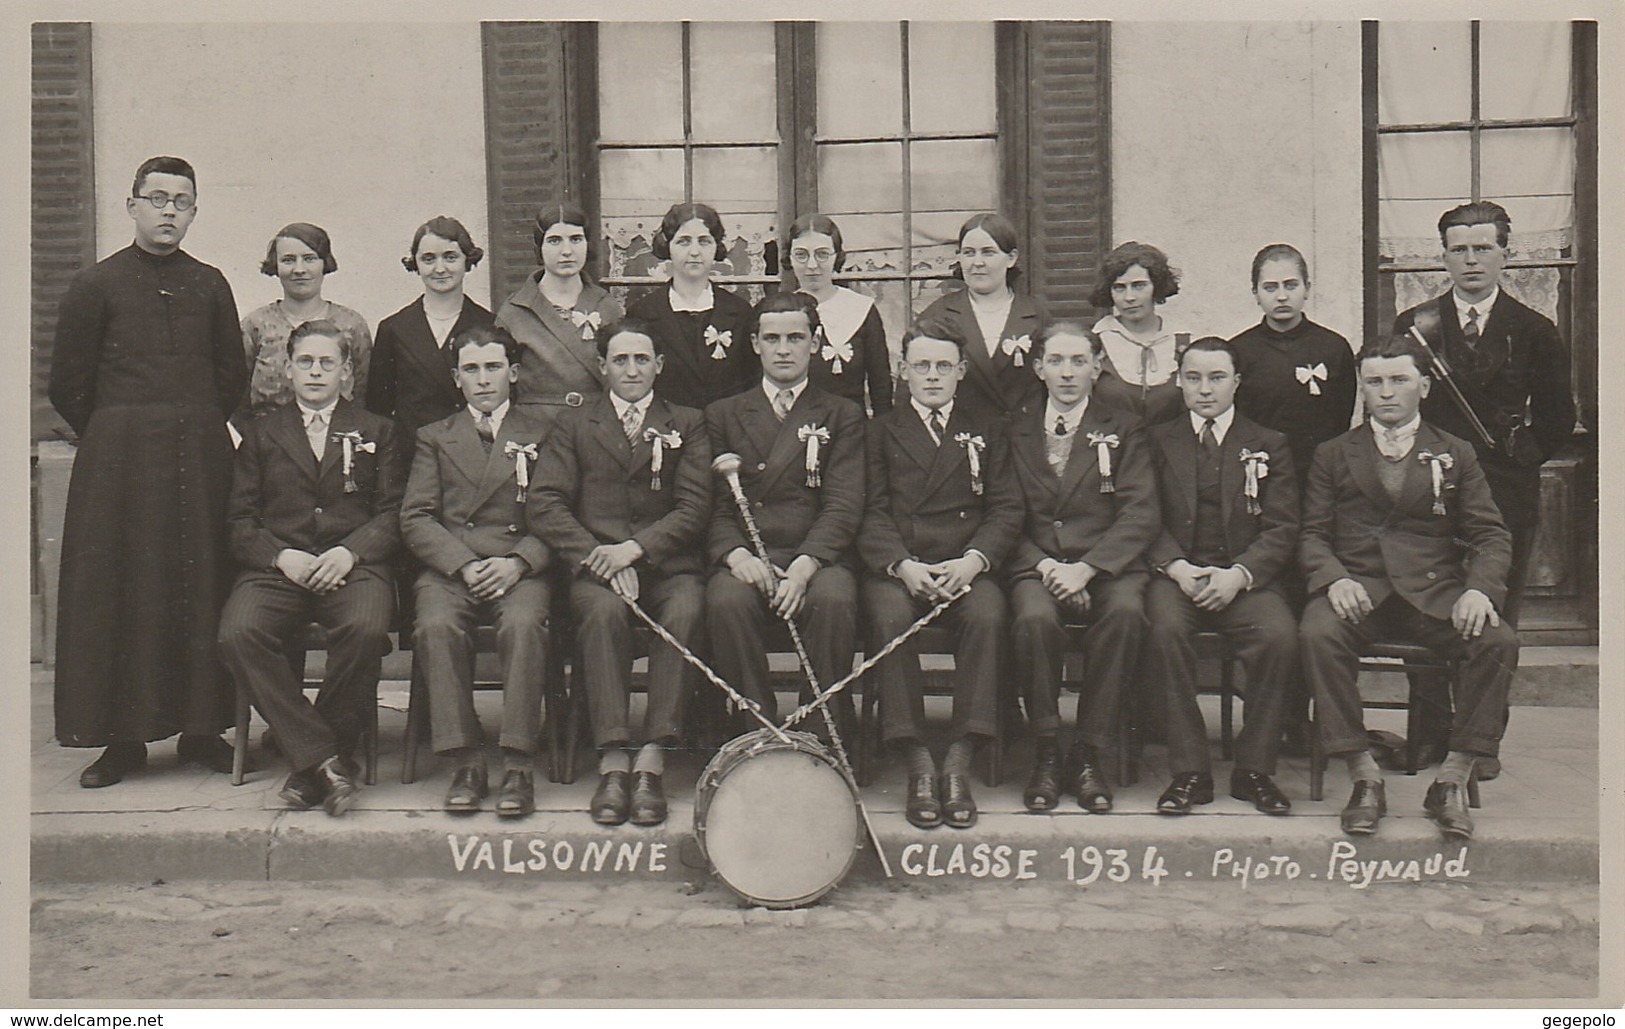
(404, 939)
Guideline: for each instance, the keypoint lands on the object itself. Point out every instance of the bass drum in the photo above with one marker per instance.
(777, 821)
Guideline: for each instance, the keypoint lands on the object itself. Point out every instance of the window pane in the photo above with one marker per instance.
(860, 79)
(737, 179)
(951, 87)
(639, 182)
(1518, 162)
(1414, 166)
(1542, 227)
(954, 175)
(640, 82)
(873, 242)
(860, 176)
(1523, 69)
(1424, 72)
(1408, 230)
(733, 81)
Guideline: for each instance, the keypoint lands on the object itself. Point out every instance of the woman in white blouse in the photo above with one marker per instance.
(1142, 347)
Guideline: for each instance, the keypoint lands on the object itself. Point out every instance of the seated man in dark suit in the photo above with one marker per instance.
(1091, 493)
(623, 495)
(314, 521)
(1229, 497)
(801, 468)
(944, 509)
(464, 519)
(1401, 539)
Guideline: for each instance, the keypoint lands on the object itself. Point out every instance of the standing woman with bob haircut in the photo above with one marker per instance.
(852, 349)
(300, 257)
(998, 324)
(702, 329)
(412, 364)
(556, 314)
(1138, 373)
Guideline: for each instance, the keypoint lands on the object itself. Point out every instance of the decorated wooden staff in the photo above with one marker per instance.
(1430, 318)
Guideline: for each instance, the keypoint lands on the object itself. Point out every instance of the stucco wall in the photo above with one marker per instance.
(1230, 136)
(366, 130)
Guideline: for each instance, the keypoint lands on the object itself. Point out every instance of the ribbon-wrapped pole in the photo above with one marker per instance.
(660, 442)
(353, 444)
(974, 445)
(1104, 443)
(1257, 463)
(1437, 463)
(522, 455)
(813, 436)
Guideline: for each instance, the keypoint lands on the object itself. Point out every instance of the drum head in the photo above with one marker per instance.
(782, 828)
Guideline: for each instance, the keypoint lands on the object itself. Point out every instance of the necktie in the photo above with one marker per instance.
(630, 423)
(782, 404)
(1389, 445)
(316, 432)
(934, 423)
(1469, 332)
(1060, 426)
(1209, 442)
(487, 433)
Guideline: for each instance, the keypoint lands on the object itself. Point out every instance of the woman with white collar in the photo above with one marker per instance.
(1142, 347)
(853, 351)
(702, 330)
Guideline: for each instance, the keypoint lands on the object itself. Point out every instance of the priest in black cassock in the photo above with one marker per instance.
(147, 365)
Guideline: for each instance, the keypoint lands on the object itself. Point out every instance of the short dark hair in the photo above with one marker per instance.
(1004, 237)
(1211, 344)
(786, 303)
(313, 236)
(638, 326)
(319, 327)
(680, 215)
(162, 166)
(1479, 212)
(564, 213)
(932, 326)
(1280, 251)
(1395, 346)
(1065, 328)
(1164, 278)
(481, 335)
(817, 223)
(446, 227)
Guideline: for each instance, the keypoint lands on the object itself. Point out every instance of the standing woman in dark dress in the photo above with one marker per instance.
(148, 364)
(411, 379)
(1142, 345)
(998, 324)
(1297, 377)
(703, 330)
(556, 314)
(852, 352)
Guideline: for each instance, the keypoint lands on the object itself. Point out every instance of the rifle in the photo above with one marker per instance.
(1430, 317)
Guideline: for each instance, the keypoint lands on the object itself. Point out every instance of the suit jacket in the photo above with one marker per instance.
(411, 375)
(282, 498)
(558, 358)
(593, 487)
(793, 518)
(691, 377)
(1266, 542)
(461, 502)
(996, 384)
(1068, 518)
(1521, 364)
(1351, 529)
(921, 503)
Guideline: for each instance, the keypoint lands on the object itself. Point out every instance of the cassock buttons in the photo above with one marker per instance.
(761, 466)
(513, 528)
(963, 514)
(318, 510)
(1057, 523)
(1433, 575)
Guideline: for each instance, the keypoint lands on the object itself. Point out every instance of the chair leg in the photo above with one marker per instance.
(1472, 786)
(239, 743)
(1128, 772)
(414, 726)
(575, 714)
(1413, 720)
(1227, 697)
(995, 748)
(868, 736)
(370, 742)
(1317, 759)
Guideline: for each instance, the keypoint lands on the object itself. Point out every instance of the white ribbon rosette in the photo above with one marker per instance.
(837, 354)
(353, 444)
(522, 455)
(814, 436)
(660, 442)
(974, 445)
(1437, 464)
(1016, 347)
(1257, 463)
(1104, 443)
(588, 323)
(719, 342)
(1312, 375)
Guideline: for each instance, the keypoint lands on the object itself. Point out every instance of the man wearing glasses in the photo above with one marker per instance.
(147, 365)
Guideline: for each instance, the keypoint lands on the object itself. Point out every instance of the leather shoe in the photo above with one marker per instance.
(211, 752)
(1367, 804)
(1043, 791)
(117, 761)
(612, 800)
(518, 795)
(923, 810)
(302, 791)
(1187, 790)
(1089, 784)
(339, 790)
(648, 799)
(1446, 803)
(1260, 791)
(469, 786)
(958, 806)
